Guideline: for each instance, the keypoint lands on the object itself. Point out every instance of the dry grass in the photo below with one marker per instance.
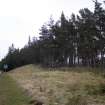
(61, 87)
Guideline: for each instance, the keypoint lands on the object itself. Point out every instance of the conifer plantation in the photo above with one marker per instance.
(75, 41)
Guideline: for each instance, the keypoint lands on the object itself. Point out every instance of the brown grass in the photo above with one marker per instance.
(61, 87)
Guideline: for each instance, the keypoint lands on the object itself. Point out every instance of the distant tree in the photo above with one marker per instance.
(87, 32)
(99, 14)
(29, 41)
(78, 40)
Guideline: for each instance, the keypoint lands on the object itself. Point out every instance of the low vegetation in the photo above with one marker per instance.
(10, 93)
(75, 86)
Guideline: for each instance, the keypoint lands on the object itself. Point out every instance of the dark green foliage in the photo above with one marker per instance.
(79, 40)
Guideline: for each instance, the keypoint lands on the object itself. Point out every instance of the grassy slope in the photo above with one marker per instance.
(10, 93)
(73, 87)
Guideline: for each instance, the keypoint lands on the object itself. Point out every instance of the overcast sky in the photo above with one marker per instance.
(21, 18)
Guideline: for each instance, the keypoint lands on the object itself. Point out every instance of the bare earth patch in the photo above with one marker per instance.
(61, 87)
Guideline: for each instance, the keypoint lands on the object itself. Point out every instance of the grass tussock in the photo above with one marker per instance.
(66, 86)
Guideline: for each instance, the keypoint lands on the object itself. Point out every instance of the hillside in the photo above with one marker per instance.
(65, 87)
(11, 93)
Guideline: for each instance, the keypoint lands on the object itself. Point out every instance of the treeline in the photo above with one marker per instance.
(79, 40)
